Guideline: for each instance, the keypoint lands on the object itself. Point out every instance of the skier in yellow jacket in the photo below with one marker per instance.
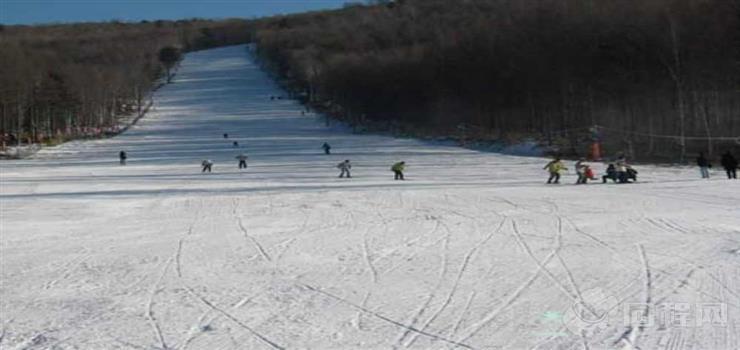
(397, 169)
(555, 167)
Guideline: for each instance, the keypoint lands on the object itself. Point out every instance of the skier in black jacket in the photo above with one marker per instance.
(730, 164)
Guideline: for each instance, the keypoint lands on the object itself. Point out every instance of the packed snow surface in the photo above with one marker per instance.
(472, 251)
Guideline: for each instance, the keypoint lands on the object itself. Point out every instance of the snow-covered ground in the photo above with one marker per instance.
(473, 251)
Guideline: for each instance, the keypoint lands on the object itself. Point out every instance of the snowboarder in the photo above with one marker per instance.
(730, 164)
(207, 164)
(344, 166)
(555, 167)
(327, 148)
(122, 157)
(611, 173)
(397, 170)
(235, 144)
(226, 136)
(704, 165)
(242, 160)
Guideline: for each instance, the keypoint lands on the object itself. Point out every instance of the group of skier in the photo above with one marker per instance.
(728, 162)
(207, 164)
(619, 171)
(344, 167)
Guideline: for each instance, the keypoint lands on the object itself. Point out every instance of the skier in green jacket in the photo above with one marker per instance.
(398, 170)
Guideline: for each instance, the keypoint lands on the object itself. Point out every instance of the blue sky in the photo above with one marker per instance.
(52, 11)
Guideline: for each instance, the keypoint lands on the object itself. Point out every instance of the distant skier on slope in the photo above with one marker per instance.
(242, 160)
(581, 168)
(554, 167)
(730, 164)
(344, 167)
(589, 173)
(704, 165)
(226, 136)
(622, 167)
(398, 169)
(327, 148)
(235, 144)
(122, 157)
(207, 165)
(611, 173)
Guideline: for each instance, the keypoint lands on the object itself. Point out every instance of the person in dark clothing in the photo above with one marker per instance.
(611, 173)
(235, 144)
(207, 164)
(242, 161)
(344, 166)
(704, 165)
(631, 174)
(730, 164)
(122, 157)
(226, 136)
(327, 148)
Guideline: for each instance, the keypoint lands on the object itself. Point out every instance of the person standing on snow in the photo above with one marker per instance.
(581, 168)
(242, 160)
(397, 170)
(207, 164)
(555, 167)
(327, 148)
(730, 164)
(622, 166)
(344, 166)
(704, 165)
(122, 157)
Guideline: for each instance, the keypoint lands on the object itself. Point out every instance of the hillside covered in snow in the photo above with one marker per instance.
(472, 251)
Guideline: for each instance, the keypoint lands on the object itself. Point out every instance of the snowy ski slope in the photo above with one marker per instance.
(474, 251)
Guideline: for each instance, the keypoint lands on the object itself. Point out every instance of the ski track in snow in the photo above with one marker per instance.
(472, 251)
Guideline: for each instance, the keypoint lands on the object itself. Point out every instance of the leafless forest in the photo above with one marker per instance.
(661, 78)
(60, 82)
